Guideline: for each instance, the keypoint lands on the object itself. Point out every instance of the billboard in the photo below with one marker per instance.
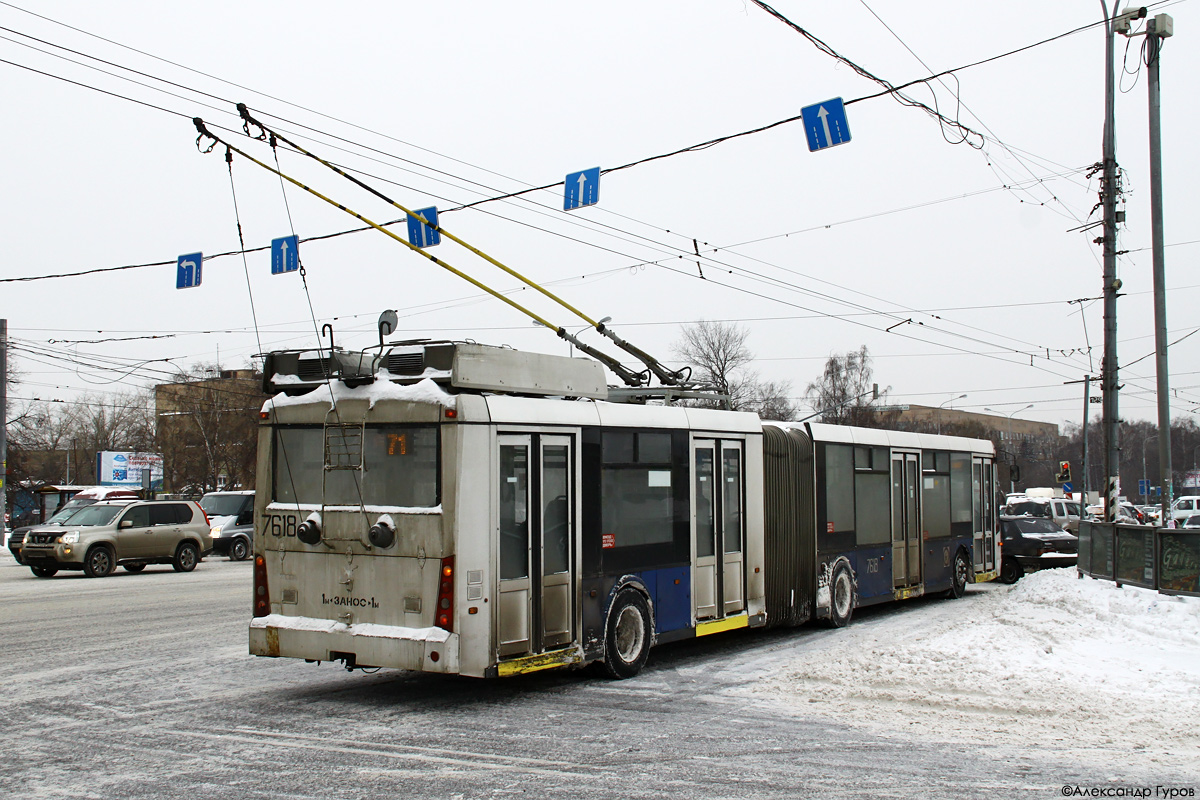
(1191, 479)
(126, 469)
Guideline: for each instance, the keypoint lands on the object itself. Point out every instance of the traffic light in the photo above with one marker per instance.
(1064, 472)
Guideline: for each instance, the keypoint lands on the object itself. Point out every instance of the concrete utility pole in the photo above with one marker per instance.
(1109, 188)
(1158, 29)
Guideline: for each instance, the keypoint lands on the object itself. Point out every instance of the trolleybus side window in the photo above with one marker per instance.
(399, 468)
(705, 504)
(936, 469)
(960, 494)
(637, 501)
(871, 489)
(839, 488)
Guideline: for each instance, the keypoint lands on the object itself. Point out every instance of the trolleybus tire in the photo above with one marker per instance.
(44, 572)
(841, 596)
(186, 556)
(627, 635)
(962, 570)
(99, 562)
(1010, 571)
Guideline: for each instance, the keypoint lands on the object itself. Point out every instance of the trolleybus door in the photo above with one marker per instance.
(732, 526)
(717, 529)
(984, 517)
(556, 518)
(536, 534)
(906, 519)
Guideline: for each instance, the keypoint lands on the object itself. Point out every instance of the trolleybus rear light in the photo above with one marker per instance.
(451, 413)
(262, 596)
(445, 601)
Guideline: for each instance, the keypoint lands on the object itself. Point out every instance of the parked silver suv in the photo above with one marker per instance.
(133, 534)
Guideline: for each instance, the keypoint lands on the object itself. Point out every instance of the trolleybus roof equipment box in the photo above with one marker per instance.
(459, 366)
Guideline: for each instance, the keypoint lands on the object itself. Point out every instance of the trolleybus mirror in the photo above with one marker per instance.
(387, 324)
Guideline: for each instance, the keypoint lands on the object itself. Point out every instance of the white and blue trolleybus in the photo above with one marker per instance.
(459, 508)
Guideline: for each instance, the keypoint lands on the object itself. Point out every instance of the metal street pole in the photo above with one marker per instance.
(1087, 467)
(939, 411)
(1158, 29)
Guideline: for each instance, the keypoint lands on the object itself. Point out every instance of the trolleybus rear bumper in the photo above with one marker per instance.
(426, 649)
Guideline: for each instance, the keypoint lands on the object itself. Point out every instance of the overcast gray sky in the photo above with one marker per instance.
(954, 264)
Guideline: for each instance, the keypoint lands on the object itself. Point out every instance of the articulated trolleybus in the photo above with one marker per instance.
(466, 509)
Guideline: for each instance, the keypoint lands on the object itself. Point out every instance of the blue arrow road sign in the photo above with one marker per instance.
(285, 255)
(825, 124)
(187, 270)
(1067, 488)
(1143, 487)
(582, 189)
(420, 234)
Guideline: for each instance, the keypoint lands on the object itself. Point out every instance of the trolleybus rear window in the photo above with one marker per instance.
(399, 466)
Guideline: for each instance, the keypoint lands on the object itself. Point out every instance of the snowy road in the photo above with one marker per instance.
(139, 686)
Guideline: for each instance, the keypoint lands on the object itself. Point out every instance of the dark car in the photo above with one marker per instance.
(1034, 543)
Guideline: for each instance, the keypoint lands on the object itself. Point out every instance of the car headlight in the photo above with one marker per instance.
(69, 538)
(215, 533)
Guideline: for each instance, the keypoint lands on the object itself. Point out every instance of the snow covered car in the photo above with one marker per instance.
(1034, 543)
(1066, 513)
(232, 517)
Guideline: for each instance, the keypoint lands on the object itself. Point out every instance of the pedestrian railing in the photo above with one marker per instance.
(1165, 559)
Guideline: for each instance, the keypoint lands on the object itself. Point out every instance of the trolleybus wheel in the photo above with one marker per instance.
(1010, 571)
(627, 638)
(45, 572)
(841, 597)
(962, 569)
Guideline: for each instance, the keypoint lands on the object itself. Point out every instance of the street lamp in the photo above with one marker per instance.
(939, 414)
(1146, 483)
(1012, 485)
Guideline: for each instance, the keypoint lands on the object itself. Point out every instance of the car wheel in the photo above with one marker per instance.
(44, 572)
(1010, 571)
(186, 557)
(133, 567)
(841, 596)
(239, 549)
(627, 638)
(98, 563)
(962, 572)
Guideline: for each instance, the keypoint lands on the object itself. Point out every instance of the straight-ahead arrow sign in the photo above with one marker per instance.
(581, 189)
(825, 124)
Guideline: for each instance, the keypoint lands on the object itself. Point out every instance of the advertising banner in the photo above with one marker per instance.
(127, 469)
(1191, 479)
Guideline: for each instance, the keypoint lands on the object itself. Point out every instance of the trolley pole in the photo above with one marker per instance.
(1108, 196)
(1158, 29)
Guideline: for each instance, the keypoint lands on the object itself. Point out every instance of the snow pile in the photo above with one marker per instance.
(424, 391)
(1052, 660)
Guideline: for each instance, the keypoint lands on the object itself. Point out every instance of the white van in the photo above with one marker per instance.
(1185, 507)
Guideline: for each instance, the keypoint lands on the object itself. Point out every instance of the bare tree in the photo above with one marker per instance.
(719, 357)
(208, 428)
(845, 392)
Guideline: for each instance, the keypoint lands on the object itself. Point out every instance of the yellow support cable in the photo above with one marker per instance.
(535, 317)
(246, 116)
